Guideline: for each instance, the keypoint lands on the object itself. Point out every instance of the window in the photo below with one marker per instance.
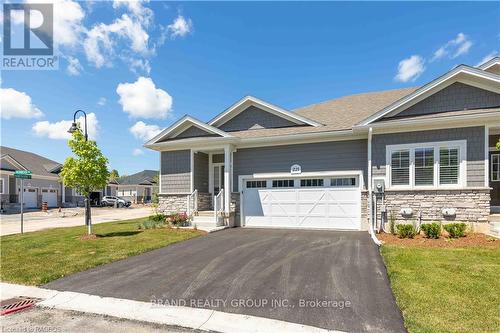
(430, 164)
(1, 186)
(283, 183)
(448, 166)
(311, 182)
(424, 166)
(256, 184)
(495, 167)
(343, 182)
(400, 165)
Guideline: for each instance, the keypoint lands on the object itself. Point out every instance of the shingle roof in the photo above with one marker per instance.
(39, 165)
(336, 114)
(443, 115)
(145, 177)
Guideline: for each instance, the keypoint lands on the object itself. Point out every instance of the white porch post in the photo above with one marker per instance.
(63, 193)
(486, 156)
(227, 178)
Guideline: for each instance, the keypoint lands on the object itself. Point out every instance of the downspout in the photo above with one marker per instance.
(370, 191)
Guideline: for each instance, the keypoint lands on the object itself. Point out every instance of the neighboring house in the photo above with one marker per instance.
(44, 185)
(138, 188)
(430, 148)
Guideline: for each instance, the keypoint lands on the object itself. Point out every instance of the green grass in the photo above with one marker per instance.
(38, 257)
(446, 289)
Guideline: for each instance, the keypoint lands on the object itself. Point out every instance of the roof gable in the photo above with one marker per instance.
(255, 118)
(145, 177)
(9, 163)
(464, 74)
(248, 101)
(492, 66)
(183, 129)
(39, 165)
(456, 97)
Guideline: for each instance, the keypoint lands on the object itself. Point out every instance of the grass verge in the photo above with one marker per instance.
(446, 289)
(39, 257)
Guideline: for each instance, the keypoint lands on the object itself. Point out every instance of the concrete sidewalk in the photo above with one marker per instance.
(196, 318)
(34, 221)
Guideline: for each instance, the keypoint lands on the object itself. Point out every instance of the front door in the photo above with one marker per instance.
(218, 177)
(495, 178)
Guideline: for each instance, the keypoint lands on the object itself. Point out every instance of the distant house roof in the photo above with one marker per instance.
(145, 177)
(15, 159)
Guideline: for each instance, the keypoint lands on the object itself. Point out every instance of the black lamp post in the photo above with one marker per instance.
(74, 128)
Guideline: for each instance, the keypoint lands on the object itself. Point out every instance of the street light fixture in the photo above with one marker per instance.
(74, 128)
(74, 125)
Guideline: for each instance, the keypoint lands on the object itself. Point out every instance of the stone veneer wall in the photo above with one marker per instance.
(471, 205)
(365, 222)
(204, 201)
(235, 207)
(172, 203)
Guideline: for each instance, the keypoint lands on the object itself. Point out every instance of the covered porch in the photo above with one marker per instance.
(493, 167)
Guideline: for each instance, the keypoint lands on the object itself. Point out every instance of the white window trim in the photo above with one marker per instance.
(462, 176)
(491, 168)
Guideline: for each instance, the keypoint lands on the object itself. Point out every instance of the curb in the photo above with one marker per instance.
(195, 318)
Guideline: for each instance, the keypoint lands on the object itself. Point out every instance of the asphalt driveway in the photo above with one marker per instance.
(329, 279)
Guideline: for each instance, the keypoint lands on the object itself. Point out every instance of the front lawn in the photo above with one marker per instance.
(38, 257)
(446, 289)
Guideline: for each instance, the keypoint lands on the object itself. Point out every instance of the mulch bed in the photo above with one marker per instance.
(89, 237)
(469, 240)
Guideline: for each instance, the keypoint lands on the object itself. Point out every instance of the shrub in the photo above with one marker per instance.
(406, 230)
(431, 230)
(392, 223)
(179, 220)
(158, 217)
(151, 224)
(455, 230)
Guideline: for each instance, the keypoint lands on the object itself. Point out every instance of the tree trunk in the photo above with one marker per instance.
(88, 220)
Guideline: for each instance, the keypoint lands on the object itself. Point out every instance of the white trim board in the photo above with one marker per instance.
(248, 101)
(490, 63)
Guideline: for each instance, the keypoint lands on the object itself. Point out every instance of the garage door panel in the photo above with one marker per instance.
(318, 207)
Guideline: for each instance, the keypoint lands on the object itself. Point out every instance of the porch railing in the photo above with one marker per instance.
(192, 204)
(219, 206)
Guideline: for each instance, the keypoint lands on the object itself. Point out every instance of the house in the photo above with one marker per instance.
(138, 188)
(44, 186)
(424, 153)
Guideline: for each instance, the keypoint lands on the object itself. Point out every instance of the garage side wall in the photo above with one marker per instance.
(175, 171)
(313, 157)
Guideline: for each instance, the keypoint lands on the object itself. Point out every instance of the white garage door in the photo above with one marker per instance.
(49, 196)
(30, 197)
(326, 203)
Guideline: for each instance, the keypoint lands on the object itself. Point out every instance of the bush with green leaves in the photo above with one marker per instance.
(179, 219)
(151, 224)
(406, 230)
(431, 230)
(158, 217)
(455, 230)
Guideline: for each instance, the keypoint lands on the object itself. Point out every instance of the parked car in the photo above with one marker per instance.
(111, 200)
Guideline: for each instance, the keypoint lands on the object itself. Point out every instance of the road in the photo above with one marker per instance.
(68, 217)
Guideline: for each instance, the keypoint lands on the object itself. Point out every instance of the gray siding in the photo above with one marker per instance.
(456, 97)
(175, 171)
(218, 158)
(324, 156)
(475, 148)
(201, 172)
(193, 132)
(253, 118)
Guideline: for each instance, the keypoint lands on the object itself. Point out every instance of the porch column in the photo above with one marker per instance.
(63, 193)
(227, 178)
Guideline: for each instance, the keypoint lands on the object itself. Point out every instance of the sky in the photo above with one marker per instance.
(137, 67)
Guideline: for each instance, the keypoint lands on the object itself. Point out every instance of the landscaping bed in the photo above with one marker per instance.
(470, 239)
(39, 257)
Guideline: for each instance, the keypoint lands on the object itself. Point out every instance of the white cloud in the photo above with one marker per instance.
(410, 69)
(68, 17)
(17, 104)
(137, 152)
(180, 27)
(59, 130)
(74, 66)
(99, 45)
(136, 9)
(487, 57)
(454, 48)
(144, 132)
(102, 101)
(142, 99)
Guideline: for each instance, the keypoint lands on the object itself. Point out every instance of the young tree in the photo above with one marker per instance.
(498, 144)
(86, 172)
(114, 174)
